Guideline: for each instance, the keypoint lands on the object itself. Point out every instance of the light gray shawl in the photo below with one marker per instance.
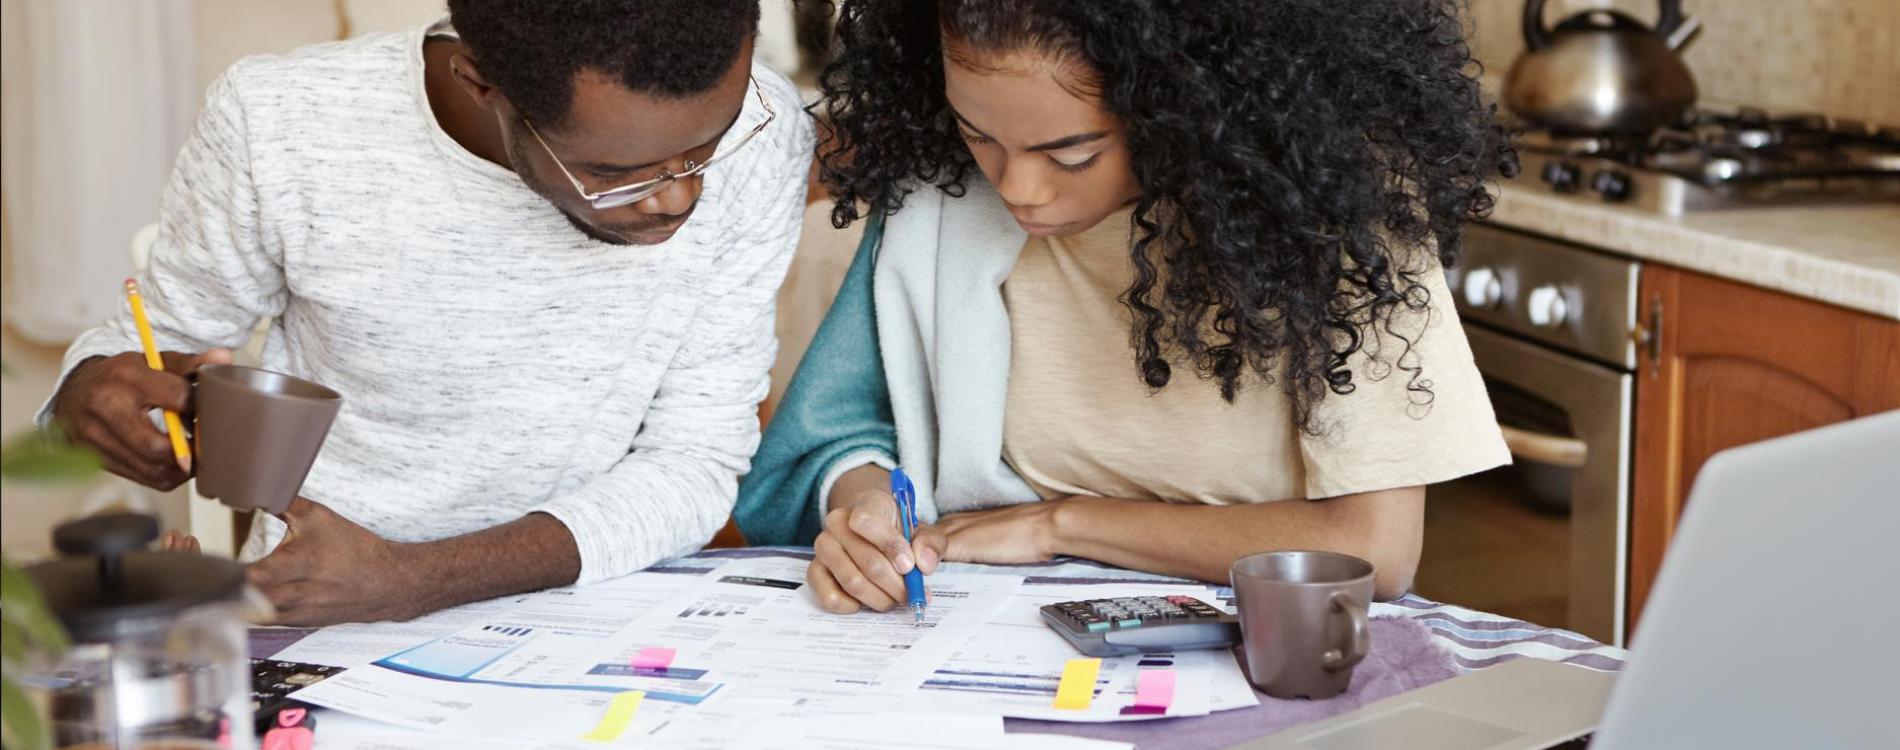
(945, 339)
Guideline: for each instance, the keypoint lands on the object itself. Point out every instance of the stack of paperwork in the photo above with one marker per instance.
(741, 657)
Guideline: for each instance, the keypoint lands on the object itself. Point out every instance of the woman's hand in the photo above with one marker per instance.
(1023, 533)
(178, 541)
(861, 554)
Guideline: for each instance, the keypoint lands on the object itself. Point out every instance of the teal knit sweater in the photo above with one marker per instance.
(836, 404)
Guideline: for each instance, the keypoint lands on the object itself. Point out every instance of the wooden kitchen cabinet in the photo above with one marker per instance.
(1737, 364)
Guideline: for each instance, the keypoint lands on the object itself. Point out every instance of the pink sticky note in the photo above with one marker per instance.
(291, 732)
(657, 657)
(1154, 688)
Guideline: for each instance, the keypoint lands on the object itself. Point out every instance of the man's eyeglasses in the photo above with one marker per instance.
(644, 189)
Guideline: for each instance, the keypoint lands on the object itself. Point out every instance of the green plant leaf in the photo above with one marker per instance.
(12, 642)
(45, 458)
(25, 729)
(30, 625)
(26, 627)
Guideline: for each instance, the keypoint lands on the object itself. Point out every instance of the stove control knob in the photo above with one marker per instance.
(1483, 289)
(1562, 176)
(1612, 184)
(1548, 308)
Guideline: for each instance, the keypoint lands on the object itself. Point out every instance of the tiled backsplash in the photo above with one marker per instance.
(1838, 57)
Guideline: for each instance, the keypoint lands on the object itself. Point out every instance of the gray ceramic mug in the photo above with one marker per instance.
(257, 433)
(1302, 620)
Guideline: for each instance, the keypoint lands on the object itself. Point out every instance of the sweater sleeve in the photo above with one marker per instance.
(675, 488)
(213, 271)
(836, 415)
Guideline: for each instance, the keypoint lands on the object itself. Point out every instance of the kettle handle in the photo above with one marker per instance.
(1536, 37)
(1668, 18)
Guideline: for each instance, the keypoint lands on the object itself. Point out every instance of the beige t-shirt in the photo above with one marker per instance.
(1080, 421)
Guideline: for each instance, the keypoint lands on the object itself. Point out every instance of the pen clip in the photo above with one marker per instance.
(905, 494)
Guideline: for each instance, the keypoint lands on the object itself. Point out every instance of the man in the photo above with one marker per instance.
(538, 260)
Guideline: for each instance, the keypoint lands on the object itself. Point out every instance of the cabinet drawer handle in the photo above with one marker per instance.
(1648, 337)
(1557, 450)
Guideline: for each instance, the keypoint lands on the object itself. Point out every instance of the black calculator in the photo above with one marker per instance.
(272, 681)
(1138, 624)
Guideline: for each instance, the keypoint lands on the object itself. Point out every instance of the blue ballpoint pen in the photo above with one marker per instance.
(906, 496)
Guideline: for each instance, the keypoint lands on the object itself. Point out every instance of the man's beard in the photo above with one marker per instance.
(593, 232)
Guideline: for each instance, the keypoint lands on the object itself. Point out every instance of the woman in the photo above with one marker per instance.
(1141, 279)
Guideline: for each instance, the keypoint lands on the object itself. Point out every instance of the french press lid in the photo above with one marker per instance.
(107, 586)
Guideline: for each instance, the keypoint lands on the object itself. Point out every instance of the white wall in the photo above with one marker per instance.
(230, 29)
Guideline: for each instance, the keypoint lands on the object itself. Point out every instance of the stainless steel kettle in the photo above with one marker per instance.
(1602, 72)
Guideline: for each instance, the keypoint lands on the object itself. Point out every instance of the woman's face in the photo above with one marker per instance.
(1059, 159)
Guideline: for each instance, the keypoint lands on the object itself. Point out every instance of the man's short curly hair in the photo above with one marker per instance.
(531, 49)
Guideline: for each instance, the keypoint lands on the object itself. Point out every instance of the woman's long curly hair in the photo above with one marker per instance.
(1292, 155)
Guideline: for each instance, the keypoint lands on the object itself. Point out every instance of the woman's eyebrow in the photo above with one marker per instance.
(966, 123)
(1055, 145)
(1068, 141)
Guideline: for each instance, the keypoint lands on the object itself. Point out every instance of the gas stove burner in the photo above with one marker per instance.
(1852, 129)
(1571, 144)
(1712, 159)
(1710, 163)
(1723, 168)
(1754, 138)
(1754, 129)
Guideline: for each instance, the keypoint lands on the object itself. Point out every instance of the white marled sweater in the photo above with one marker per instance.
(493, 360)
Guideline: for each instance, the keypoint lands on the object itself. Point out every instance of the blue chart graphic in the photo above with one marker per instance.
(460, 657)
(462, 654)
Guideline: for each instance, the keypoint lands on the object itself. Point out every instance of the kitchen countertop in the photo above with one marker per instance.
(1840, 254)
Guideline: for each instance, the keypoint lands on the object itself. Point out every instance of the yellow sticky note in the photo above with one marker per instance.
(1078, 684)
(619, 714)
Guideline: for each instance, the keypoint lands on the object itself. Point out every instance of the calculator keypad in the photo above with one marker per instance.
(1127, 613)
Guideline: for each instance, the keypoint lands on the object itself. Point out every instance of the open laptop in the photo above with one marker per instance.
(1771, 626)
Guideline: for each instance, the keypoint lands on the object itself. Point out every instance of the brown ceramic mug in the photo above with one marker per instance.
(1302, 620)
(257, 434)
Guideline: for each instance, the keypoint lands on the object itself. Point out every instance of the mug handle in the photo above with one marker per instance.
(1361, 640)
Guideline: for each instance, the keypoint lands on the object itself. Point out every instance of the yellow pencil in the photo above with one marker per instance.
(173, 427)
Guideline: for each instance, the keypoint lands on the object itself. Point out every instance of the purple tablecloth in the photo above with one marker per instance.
(1415, 642)
(1402, 658)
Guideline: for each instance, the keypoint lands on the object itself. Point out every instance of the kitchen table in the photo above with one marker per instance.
(1415, 642)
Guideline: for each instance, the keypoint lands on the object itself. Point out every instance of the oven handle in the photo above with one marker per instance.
(1558, 450)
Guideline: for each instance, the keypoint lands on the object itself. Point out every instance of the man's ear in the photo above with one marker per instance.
(462, 69)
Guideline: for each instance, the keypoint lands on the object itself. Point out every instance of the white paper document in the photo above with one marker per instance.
(875, 732)
(356, 644)
(753, 623)
(754, 662)
(486, 711)
(609, 604)
(1013, 667)
(501, 675)
(715, 725)
(916, 731)
(337, 730)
